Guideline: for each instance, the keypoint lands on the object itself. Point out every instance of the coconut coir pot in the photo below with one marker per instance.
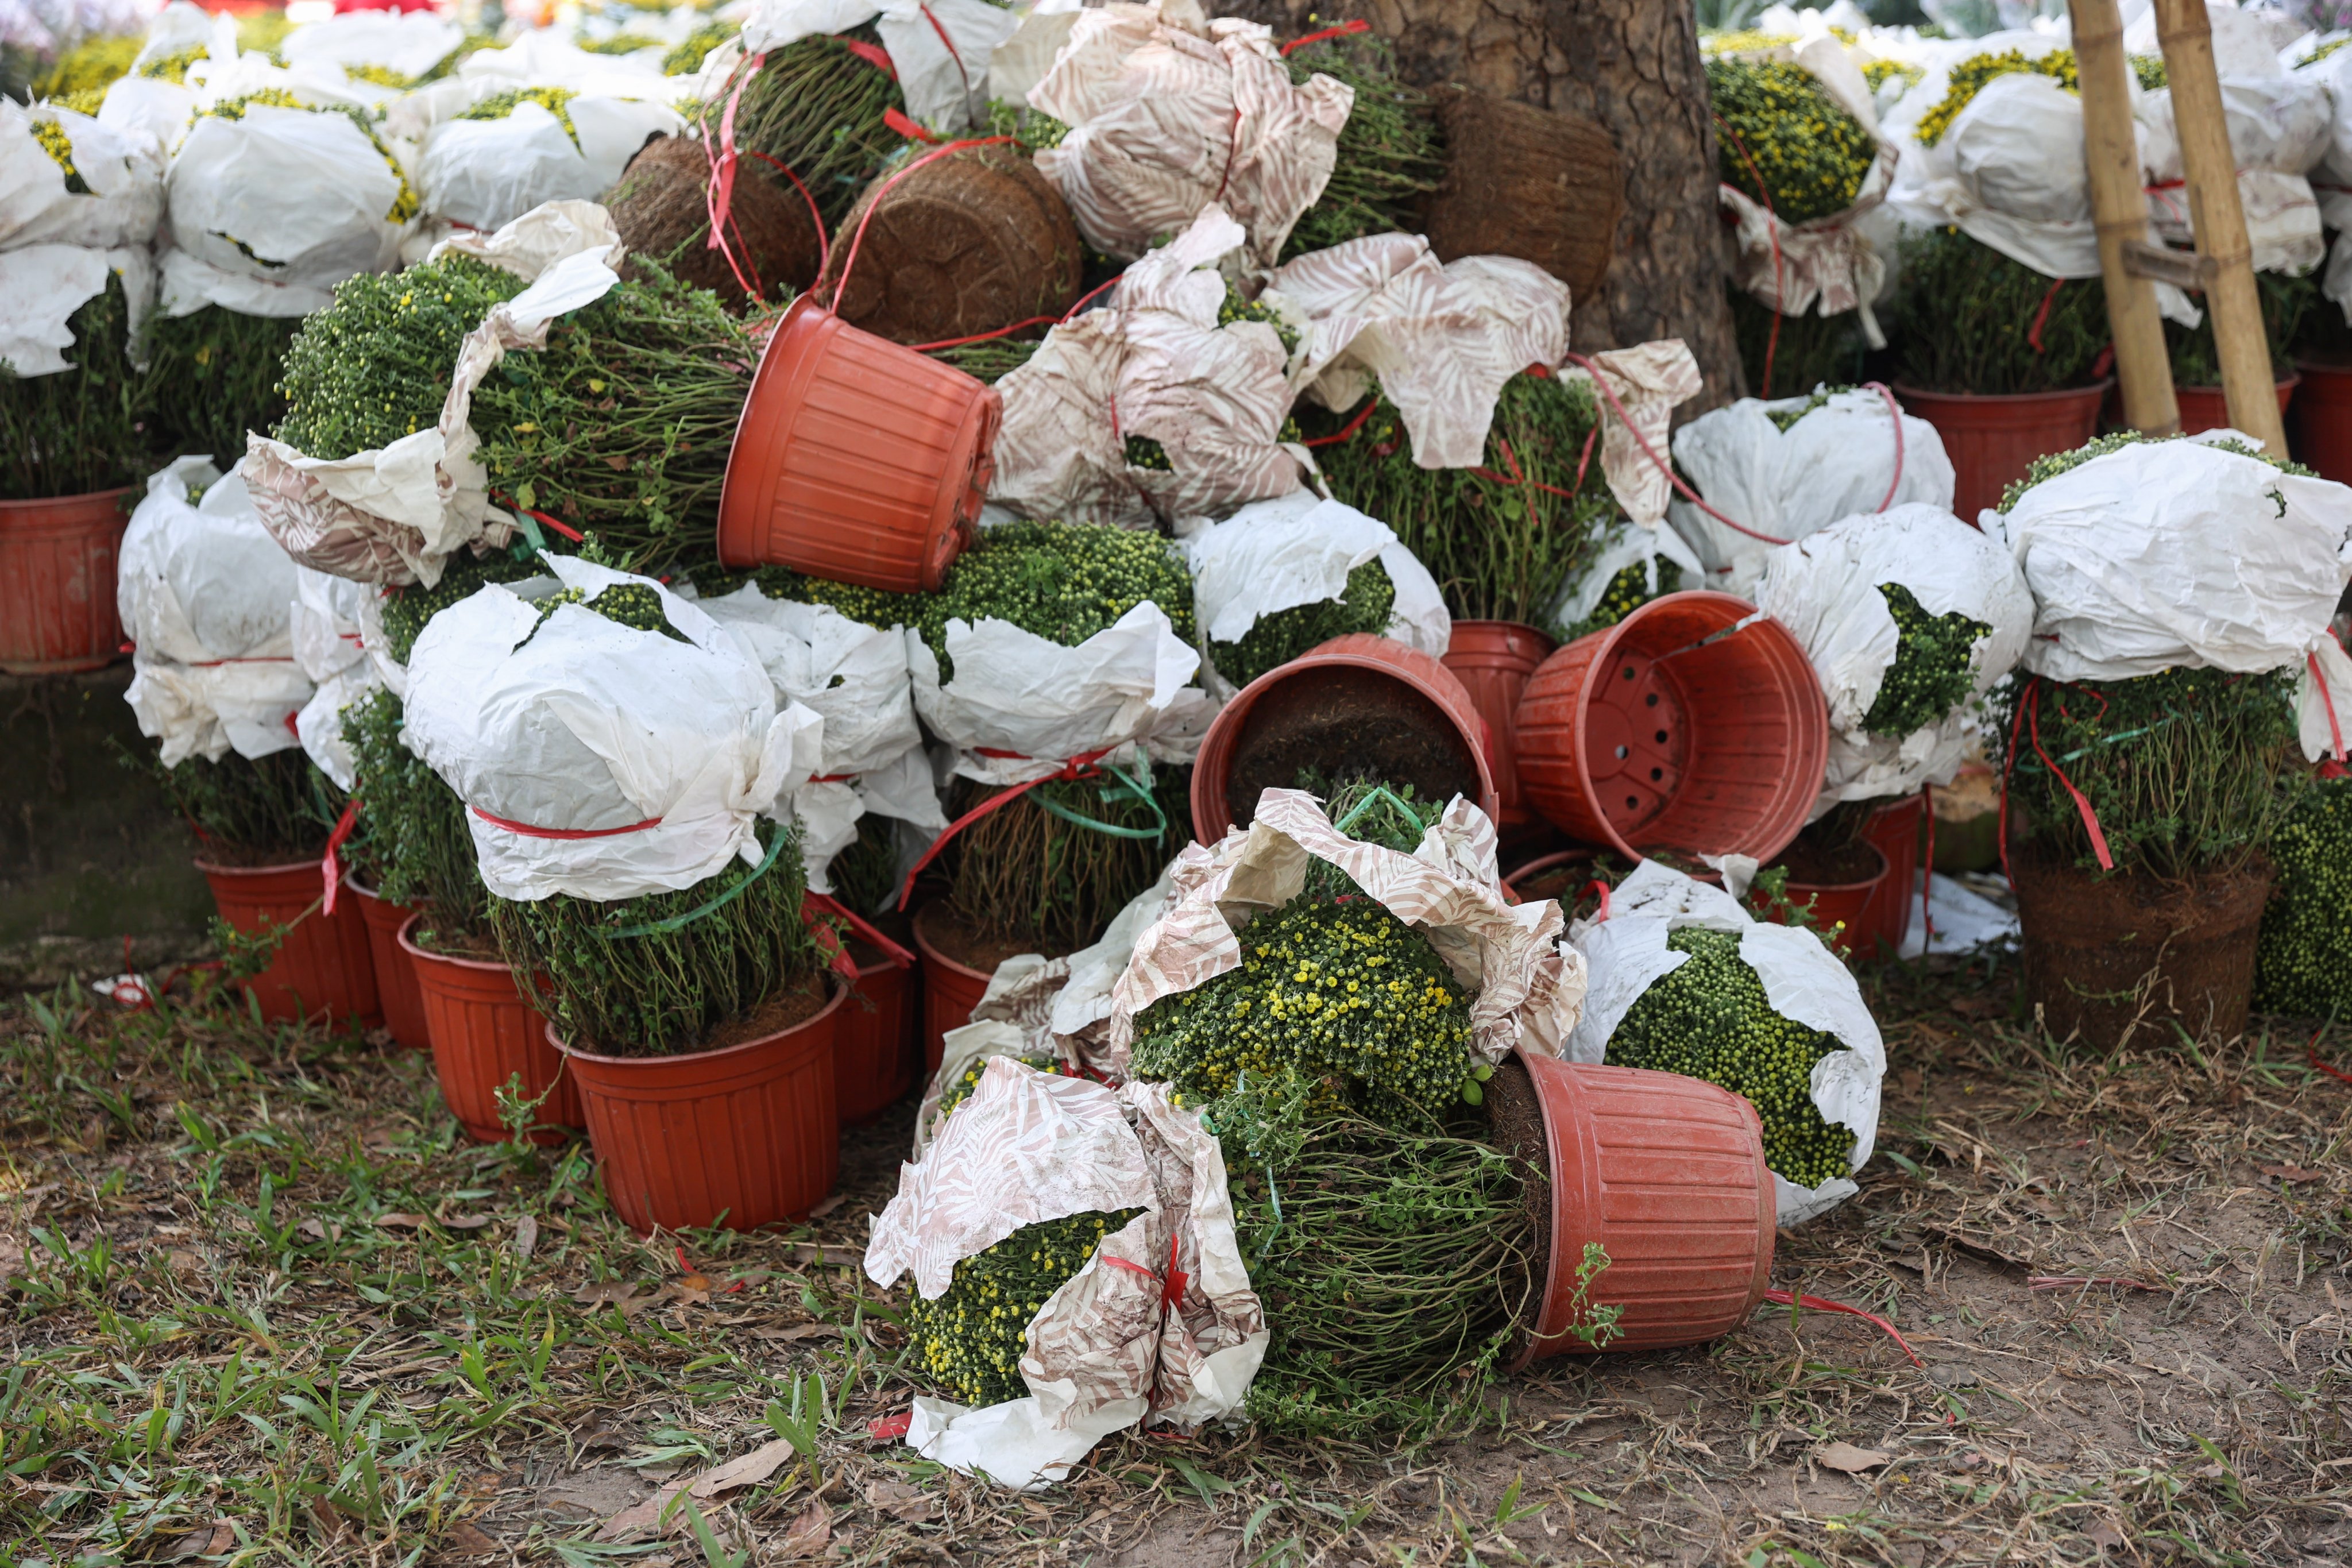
(661, 208)
(1543, 186)
(2106, 955)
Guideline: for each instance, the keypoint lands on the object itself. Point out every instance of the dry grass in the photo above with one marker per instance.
(265, 1306)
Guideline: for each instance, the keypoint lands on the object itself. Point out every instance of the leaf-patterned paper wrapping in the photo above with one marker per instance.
(1648, 380)
(1525, 988)
(1170, 115)
(1154, 362)
(1119, 1341)
(1440, 340)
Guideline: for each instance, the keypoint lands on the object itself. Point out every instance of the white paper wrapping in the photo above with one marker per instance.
(1803, 981)
(1155, 363)
(1170, 115)
(408, 42)
(1840, 459)
(1107, 1349)
(1525, 987)
(1275, 556)
(329, 614)
(1440, 340)
(939, 49)
(392, 516)
(123, 166)
(1013, 691)
(1826, 590)
(854, 677)
(206, 598)
(2178, 553)
(41, 286)
(583, 725)
(486, 174)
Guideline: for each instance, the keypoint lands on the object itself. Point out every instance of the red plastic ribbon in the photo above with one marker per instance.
(1344, 29)
(1822, 1304)
(570, 533)
(873, 55)
(889, 1428)
(2041, 316)
(1518, 480)
(1172, 1283)
(2090, 817)
(329, 866)
(812, 916)
(953, 53)
(2311, 1051)
(1601, 887)
(901, 123)
(1927, 874)
(718, 189)
(1355, 424)
(826, 903)
(1894, 416)
(1779, 283)
(528, 831)
(1077, 767)
(1601, 384)
(2335, 731)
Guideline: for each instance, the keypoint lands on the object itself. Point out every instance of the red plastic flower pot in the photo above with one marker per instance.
(1992, 440)
(1670, 731)
(2208, 407)
(743, 1136)
(1840, 908)
(396, 991)
(856, 460)
(2323, 420)
(1357, 702)
(322, 968)
(483, 1035)
(874, 1040)
(1894, 829)
(950, 989)
(1666, 1173)
(1493, 661)
(56, 581)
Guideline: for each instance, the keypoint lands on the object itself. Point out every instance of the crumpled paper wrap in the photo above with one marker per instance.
(939, 49)
(394, 515)
(1650, 380)
(1627, 953)
(1154, 362)
(330, 647)
(1440, 340)
(1525, 988)
(123, 166)
(1170, 115)
(41, 286)
(1110, 1349)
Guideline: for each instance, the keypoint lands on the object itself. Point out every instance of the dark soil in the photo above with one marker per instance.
(966, 941)
(773, 1016)
(449, 943)
(1516, 1122)
(661, 211)
(971, 243)
(1346, 723)
(1820, 863)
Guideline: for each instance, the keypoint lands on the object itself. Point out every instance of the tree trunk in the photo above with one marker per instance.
(1634, 67)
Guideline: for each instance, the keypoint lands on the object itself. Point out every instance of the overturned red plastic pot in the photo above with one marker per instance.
(322, 968)
(484, 1035)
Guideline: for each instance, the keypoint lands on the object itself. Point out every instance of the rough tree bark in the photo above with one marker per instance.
(1633, 66)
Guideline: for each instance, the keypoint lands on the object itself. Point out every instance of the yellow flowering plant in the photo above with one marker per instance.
(1785, 142)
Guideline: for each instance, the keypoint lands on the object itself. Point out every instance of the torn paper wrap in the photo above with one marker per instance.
(123, 167)
(41, 286)
(1154, 363)
(1524, 992)
(1118, 1344)
(1826, 590)
(392, 516)
(1441, 341)
(1168, 116)
(597, 760)
(1803, 981)
(940, 50)
(485, 174)
(1648, 381)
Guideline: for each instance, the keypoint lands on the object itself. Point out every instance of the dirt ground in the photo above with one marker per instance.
(264, 1305)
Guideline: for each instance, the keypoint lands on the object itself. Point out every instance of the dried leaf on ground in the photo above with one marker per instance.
(1847, 1459)
(809, 1533)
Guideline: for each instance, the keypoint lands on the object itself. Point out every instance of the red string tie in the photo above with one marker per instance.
(1822, 1304)
(528, 831)
(1079, 767)
(1172, 1282)
(330, 866)
(1344, 29)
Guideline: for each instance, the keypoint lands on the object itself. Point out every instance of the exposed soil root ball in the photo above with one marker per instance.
(662, 211)
(969, 243)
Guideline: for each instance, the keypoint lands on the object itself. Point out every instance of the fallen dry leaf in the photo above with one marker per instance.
(526, 1238)
(1980, 1007)
(2292, 1174)
(798, 1331)
(331, 1519)
(748, 1470)
(838, 1256)
(1847, 1459)
(317, 1231)
(2104, 1535)
(465, 1221)
(901, 1502)
(619, 1293)
(827, 1206)
(403, 1221)
(469, 1540)
(808, 1533)
(213, 1540)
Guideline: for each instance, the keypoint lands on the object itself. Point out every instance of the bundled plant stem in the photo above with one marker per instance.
(657, 975)
(1054, 867)
(411, 842)
(1812, 349)
(1390, 153)
(989, 362)
(212, 376)
(1498, 540)
(252, 811)
(1968, 320)
(817, 107)
(77, 430)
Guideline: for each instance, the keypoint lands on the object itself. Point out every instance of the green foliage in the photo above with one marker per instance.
(2150, 72)
(1063, 580)
(94, 63)
(817, 107)
(411, 841)
(1044, 871)
(1811, 350)
(1032, 129)
(654, 975)
(375, 366)
(1785, 419)
(2285, 300)
(2189, 771)
(865, 876)
(75, 430)
(408, 609)
(989, 362)
(1499, 548)
(1933, 670)
(1709, 1019)
(2304, 964)
(498, 106)
(211, 376)
(1363, 606)
(972, 1338)
(1967, 317)
(633, 605)
(1813, 156)
(876, 607)
(1390, 153)
(273, 808)
(1373, 811)
(1346, 996)
(1969, 77)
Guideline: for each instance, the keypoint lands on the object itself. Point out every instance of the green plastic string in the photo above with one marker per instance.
(1378, 793)
(2117, 739)
(656, 928)
(1135, 787)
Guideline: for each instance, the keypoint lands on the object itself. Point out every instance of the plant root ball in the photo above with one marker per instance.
(661, 211)
(1546, 187)
(969, 243)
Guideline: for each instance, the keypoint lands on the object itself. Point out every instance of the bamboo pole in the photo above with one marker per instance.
(2219, 222)
(2111, 151)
